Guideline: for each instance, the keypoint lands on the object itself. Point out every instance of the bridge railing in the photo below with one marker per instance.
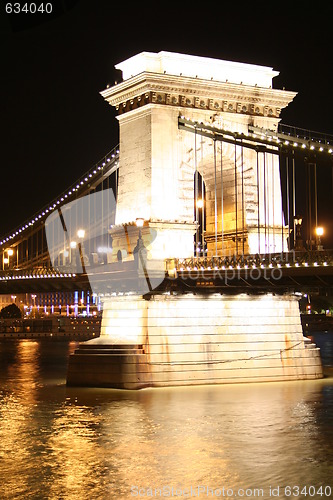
(274, 260)
(35, 273)
(75, 190)
(315, 258)
(305, 134)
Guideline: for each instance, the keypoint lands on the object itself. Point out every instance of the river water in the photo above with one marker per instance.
(244, 440)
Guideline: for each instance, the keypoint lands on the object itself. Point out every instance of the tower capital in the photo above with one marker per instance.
(187, 81)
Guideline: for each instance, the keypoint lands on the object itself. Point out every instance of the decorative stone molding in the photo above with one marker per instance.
(185, 92)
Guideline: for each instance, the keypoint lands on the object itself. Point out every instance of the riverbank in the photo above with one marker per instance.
(74, 328)
(63, 328)
(79, 336)
(316, 323)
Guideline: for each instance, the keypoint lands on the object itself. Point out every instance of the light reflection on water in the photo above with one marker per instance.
(68, 443)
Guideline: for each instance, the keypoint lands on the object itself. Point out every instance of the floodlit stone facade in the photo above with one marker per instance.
(158, 160)
(193, 339)
(201, 338)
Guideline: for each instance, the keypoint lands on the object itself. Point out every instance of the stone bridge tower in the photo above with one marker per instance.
(201, 336)
(158, 161)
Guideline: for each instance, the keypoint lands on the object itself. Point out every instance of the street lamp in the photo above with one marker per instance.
(139, 244)
(199, 245)
(81, 233)
(33, 296)
(139, 223)
(298, 242)
(5, 260)
(319, 233)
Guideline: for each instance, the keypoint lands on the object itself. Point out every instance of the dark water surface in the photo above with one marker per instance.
(67, 443)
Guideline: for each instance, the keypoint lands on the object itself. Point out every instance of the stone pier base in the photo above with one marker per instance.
(196, 339)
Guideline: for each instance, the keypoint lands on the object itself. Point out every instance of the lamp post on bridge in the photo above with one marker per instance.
(33, 296)
(5, 260)
(81, 234)
(140, 250)
(319, 233)
(298, 240)
(199, 245)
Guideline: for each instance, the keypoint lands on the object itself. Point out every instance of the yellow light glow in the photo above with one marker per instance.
(200, 203)
(319, 231)
(81, 233)
(10, 251)
(5, 260)
(139, 222)
(73, 244)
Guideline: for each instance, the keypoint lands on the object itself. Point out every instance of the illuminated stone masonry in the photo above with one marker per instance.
(194, 338)
(158, 161)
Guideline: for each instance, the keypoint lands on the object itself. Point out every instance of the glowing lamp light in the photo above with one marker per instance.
(73, 244)
(81, 233)
(319, 231)
(139, 222)
(10, 252)
(200, 203)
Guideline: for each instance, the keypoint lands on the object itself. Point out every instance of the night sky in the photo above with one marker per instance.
(54, 123)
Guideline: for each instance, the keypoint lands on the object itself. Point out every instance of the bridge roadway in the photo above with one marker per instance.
(307, 272)
(277, 273)
(27, 243)
(29, 269)
(40, 280)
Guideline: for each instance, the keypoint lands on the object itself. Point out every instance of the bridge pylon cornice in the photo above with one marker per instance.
(189, 92)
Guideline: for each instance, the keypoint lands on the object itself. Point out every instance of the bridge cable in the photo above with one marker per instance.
(203, 205)
(258, 201)
(222, 207)
(273, 205)
(236, 199)
(215, 198)
(108, 216)
(243, 214)
(265, 208)
(282, 214)
(267, 202)
(294, 196)
(288, 202)
(196, 193)
(315, 195)
(309, 206)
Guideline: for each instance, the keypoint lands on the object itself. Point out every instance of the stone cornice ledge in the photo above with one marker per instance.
(154, 223)
(146, 82)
